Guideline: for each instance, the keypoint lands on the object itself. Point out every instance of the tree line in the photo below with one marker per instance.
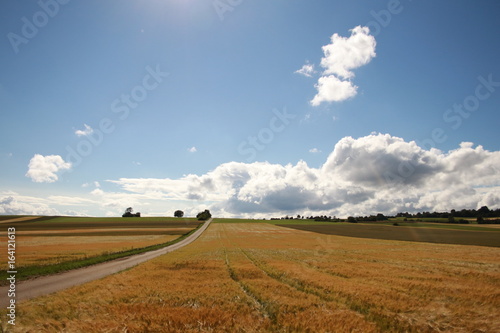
(483, 215)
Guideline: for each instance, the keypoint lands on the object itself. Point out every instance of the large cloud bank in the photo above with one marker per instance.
(371, 174)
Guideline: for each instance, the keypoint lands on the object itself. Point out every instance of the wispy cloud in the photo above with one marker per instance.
(87, 131)
(314, 150)
(306, 70)
(192, 150)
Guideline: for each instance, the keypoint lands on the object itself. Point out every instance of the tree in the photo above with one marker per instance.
(128, 213)
(203, 216)
(483, 211)
(179, 213)
(351, 219)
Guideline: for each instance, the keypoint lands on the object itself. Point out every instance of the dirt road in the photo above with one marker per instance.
(50, 284)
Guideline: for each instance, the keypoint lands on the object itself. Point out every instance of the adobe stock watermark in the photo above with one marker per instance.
(266, 135)
(32, 25)
(383, 17)
(122, 107)
(224, 6)
(454, 117)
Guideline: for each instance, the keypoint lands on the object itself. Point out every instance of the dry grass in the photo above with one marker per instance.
(260, 277)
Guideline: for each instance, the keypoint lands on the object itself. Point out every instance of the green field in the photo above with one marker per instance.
(429, 233)
(108, 225)
(444, 226)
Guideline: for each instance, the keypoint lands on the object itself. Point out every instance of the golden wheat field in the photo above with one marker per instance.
(266, 278)
(38, 250)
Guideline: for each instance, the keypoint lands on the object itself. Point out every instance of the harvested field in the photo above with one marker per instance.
(261, 277)
(414, 234)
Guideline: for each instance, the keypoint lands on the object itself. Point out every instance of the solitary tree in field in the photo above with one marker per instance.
(179, 213)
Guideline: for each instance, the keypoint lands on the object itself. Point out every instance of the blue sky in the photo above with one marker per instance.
(205, 97)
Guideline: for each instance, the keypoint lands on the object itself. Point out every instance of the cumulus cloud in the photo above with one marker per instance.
(375, 173)
(86, 131)
(314, 150)
(381, 160)
(341, 56)
(365, 175)
(43, 169)
(344, 54)
(306, 70)
(332, 89)
(192, 150)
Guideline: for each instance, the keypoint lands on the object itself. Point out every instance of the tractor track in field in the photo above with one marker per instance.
(260, 305)
(384, 323)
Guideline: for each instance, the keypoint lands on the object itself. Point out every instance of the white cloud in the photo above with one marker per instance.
(306, 70)
(341, 56)
(361, 176)
(192, 150)
(87, 131)
(332, 89)
(43, 169)
(314, 150)
(375, 173)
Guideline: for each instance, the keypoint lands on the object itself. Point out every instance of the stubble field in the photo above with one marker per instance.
(262, 277)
